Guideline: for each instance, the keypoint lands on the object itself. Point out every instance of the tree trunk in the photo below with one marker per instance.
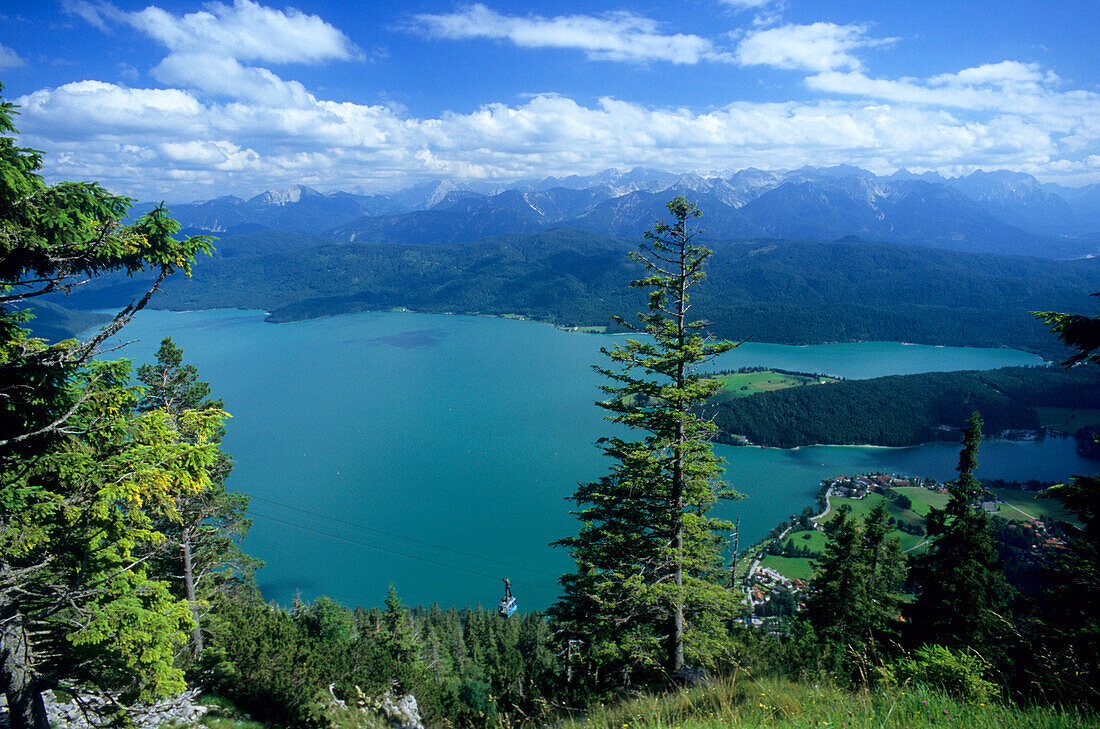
(677, 653)
(25, 707)
(189, 584)
(676, 656)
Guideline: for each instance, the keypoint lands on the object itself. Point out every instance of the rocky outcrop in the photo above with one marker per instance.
(401, 712)
(94, 710)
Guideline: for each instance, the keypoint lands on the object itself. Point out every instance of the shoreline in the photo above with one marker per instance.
(989, 438)
(577, 329)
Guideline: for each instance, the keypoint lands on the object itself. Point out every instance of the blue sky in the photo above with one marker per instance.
(191, 100)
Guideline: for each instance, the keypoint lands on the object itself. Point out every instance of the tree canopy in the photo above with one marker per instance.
(963, 592)
(84, 474)
(648, 594)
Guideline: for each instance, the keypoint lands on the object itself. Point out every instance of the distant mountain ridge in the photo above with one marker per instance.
(994, 212)
(792, 292)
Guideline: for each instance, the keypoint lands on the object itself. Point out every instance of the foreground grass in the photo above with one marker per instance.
(779, 704)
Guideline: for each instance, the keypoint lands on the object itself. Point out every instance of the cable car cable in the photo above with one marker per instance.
(407, 539)
(393, 551)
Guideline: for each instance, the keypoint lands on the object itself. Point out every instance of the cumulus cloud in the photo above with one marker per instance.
(101, 110)
(228, 125)
(222, 76)
(246, 31)
(206, 48)
(169, 144)
(620, 36)
(817, 47)
(1008, 87)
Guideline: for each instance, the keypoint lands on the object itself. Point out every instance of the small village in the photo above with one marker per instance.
(774, 596)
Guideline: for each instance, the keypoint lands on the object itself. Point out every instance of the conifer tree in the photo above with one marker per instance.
(401, 642)
(648, 592)
(83, 474)
(1068, 621)
(963, 591)
(854, 593)
(203, 529)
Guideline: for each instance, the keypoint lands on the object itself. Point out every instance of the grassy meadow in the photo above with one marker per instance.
(744, 384)
(744, 701)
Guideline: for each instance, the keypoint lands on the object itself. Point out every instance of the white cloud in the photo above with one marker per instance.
(620, 36)
(95, 15)
(97, 110)
(748, 4)
(1005, 73)
(222, 155)
(222, 76)
(1008, 87)
(157, 143)
(246, 31)
(206, 48)
(9, 58)
(226, 126)
(818, 47)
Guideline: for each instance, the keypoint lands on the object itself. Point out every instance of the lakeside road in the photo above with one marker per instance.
(828, 507)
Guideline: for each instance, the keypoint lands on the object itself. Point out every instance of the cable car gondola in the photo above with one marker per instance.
(507, 603)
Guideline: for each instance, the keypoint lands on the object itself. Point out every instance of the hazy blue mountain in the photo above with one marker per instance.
(426, 195)
(53, 321)
(630, 215)
(769, 290)
(995, 212)
(618, 182)
(265, 242)
(297, 208)
(1020, 200)
(904, 174)
(1083, 201)
(466, 216)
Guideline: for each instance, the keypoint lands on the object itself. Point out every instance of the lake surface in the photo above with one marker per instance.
(436, 452)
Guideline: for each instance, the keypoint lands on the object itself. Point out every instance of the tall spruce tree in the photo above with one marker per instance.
(963, 592)
(648, 592)
(854, 597)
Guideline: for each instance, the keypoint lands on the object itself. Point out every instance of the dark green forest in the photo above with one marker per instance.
(902, 410)
(787, 292)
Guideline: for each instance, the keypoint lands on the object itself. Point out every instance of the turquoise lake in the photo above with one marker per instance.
(436, 452)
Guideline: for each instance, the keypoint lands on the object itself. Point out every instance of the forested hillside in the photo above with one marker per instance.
(902, 410)
(774, 291)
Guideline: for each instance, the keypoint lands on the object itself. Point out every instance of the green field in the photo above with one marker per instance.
(862, 507)
(1026, 505)
(923, 499)
(815, 540)
(743, 384)
(1018, 506)
(794, 568)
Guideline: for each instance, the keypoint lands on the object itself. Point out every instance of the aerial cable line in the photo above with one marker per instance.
(356, 525)
(393, 551)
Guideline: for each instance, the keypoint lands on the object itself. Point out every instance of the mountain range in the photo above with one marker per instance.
(793, 292)
(990, 212)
